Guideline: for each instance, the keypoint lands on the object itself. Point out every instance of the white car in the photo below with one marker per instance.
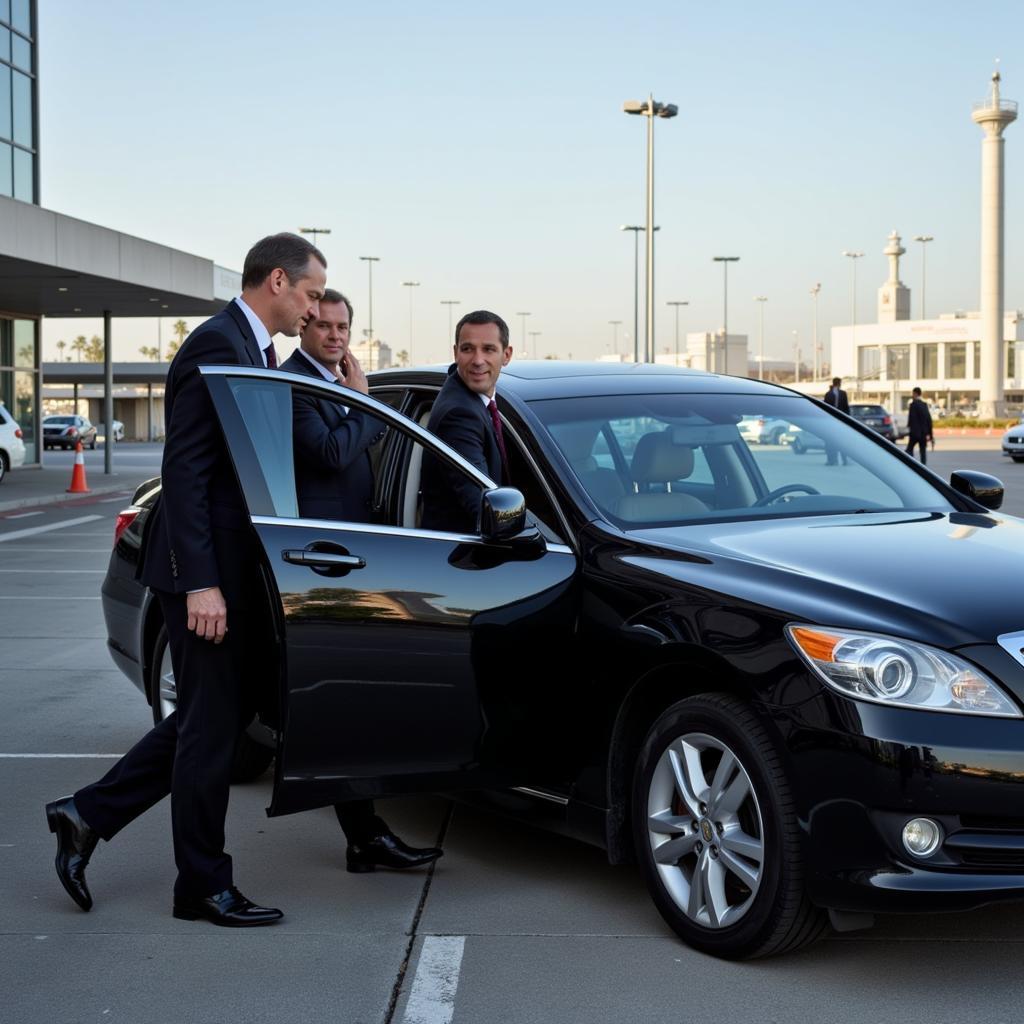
(1013, 442)
(118, 431)
(12, 447)
(762, 429)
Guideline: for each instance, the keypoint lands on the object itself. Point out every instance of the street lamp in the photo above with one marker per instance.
(636, 229)
(449, 303)
(534, 335)
(650, 109)
(677, 305)
(814, 296)
(369, 261)
(923, 239)
(761, 300)
(615, 335)
(314, 232)
(796, 357)
(522, 333)
(410, 285)
(725, 261)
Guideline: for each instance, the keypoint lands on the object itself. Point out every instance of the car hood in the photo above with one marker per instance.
(942, 578)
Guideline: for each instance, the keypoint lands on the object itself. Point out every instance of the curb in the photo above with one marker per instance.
(71, 501)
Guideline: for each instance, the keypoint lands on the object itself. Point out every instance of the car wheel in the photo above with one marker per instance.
(252, 758)
(4, 466)
(1018, 458)
(797, 446)
(92, 446)
(716, 832)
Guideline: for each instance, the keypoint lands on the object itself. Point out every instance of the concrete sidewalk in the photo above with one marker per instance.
(30, 488)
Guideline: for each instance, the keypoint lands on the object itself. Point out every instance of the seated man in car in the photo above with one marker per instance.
(334, 480)
(465, 416)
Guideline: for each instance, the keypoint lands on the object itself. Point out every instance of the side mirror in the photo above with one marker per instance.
(502, 515)
(980, 487)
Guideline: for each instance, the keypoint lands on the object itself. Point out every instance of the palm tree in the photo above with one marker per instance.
(403, 358)
(61, 345)
(150, 352)
(94, 350)
(180, 331)
(79, 345)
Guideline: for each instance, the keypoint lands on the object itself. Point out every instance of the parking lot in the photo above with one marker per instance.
(513, 925)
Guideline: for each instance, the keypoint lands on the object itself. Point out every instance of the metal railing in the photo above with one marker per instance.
(1009, 106)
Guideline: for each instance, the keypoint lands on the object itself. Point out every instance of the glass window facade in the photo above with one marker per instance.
(897, 362)
(18, 98)
(928, 361)
(956, 360)
(869, 362)
(19, 378)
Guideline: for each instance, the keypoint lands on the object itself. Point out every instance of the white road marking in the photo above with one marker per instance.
(36, 572)
(23, 515)
(46, 756)
(432, 999)
(110, 501)
(55, 597)
(33, 530)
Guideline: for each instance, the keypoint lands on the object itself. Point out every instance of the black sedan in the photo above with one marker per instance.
(746, 671)
(876, 417)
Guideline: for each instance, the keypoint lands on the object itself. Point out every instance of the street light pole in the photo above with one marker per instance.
(761, 300)
(814, 296)
(449, 303)
(725, 261)
(796, 357)
(369, 261)
(522, 331)
(535, 335)
(636, 229)
(410, 285)
(677, 304)
(853, 257)
(615, 335)
(650, 109)
(923, 239)
(314, 232)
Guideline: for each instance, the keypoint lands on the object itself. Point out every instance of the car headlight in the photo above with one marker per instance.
(886, 670)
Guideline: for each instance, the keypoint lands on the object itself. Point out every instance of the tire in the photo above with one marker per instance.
(4, 466)
(797, 446)
(1017, 458)
(92, 446)
(252, 758)
(700, 755)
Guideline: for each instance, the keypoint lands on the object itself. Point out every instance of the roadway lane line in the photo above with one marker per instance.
(54, 597)
(39, 572)
(432, 999)
(33, 530)
(23, 515)
(11, 757)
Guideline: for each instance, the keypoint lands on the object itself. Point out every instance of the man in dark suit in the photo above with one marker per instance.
(919, 426)
(334, 480)
(836, 397)
(201, 560)
(465, 416)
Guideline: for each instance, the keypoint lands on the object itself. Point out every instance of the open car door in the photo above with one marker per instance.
(403, 649)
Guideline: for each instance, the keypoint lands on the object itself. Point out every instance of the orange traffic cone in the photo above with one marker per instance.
(78, 473)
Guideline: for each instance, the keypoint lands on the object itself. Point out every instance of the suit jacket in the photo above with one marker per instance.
(843, 404)
(919, 420)
(451, 501)
(333, 474)
(200, 535)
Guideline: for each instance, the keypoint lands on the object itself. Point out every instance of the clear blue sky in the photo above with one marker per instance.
(484, 153)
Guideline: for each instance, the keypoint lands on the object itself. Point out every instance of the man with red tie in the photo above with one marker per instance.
(465, 416)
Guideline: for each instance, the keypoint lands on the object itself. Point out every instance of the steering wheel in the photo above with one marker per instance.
(780, 491)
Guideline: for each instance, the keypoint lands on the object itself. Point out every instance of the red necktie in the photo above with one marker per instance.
(492, 408)
(271, 357)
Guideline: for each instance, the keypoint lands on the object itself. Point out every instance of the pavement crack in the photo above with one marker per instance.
(396, 988)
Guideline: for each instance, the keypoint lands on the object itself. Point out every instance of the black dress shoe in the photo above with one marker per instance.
(388, 851)
(229, 908)
(75, 843)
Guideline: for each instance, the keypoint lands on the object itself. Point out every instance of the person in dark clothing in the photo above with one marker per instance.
(465, 416)
(836, 397)
(919, 426)
(334, 480)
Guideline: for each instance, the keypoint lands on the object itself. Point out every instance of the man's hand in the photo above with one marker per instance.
(352, 375)
(207, 614)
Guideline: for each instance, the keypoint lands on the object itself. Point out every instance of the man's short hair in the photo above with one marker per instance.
(484, 316)
(836, 381)
(289, 252)
(331, 295)
(916, 391)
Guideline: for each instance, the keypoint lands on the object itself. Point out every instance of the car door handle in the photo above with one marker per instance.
(323, 559)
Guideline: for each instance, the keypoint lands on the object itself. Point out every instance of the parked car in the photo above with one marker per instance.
(67, 431)
(12, 445)
(763, 430)
(1013, 442)
(101, 430)
(748, 673)
(801, 441)
(876, 417)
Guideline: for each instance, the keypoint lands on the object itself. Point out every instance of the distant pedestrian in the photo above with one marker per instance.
(919, 427)
(836, 397)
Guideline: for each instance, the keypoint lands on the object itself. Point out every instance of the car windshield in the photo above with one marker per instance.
(657, 460)
(59, 419)
(867, 410)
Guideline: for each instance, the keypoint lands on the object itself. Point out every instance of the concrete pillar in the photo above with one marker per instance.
(149, 412)
(108, 394)
(993, 115)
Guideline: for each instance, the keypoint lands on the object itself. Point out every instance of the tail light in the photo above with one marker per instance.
(887, 420)
(18, 433)
(124, 520)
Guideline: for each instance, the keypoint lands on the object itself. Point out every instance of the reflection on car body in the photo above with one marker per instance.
(744, 670)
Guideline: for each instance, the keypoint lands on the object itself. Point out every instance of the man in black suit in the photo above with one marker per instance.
(334, 480)
(201, 560)
(836, 397)
(465, 416)
(919, 426)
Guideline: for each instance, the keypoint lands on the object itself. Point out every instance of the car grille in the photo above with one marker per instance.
(1015, 440)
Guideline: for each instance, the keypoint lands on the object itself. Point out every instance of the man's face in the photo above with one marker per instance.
(479, 357)
(297, 304)
(326, 336)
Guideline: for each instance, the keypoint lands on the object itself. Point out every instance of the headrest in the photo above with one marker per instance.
(657, 460)
(576, 440)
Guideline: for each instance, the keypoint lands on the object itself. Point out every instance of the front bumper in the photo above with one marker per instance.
(1014, 444)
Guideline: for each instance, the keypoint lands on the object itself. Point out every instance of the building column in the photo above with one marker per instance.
(108, 395)
(149, 411)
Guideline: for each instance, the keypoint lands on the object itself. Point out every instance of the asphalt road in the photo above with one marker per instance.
(514, 925)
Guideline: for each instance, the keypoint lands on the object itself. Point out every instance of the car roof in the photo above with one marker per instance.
(534, 380)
